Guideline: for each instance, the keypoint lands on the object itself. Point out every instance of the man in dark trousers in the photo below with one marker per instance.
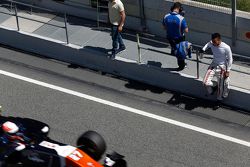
(176, 27)
(117, 19)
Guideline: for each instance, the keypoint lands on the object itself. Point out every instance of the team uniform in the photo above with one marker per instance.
(176, 25)
(222, 63)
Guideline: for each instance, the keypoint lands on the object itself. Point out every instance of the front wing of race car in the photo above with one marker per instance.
(71, 156)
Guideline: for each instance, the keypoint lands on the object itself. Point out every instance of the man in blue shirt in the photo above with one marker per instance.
(176, 27)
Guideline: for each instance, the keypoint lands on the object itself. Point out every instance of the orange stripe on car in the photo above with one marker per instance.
(80, 159)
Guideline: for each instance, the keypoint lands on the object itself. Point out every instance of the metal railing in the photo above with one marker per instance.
(222, 3)
(197, 60)
(225, 6)
(242, 5)
(196, 51)
(99, 7)
(13, 4)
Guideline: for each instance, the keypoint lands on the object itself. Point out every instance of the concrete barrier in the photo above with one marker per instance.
(97, 60)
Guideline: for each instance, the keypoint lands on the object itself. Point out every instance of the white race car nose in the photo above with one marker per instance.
(109, 162)
(45, 129)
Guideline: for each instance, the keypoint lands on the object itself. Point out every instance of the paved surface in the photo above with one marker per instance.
(144, 141)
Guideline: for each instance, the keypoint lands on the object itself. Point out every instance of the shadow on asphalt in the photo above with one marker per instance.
(190, 103)
(180, 100)
(140, 86)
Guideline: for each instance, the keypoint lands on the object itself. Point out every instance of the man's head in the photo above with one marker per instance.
(216, 39)
(10, 127)
(177, 7)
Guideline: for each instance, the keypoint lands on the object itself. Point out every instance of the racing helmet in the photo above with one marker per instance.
(10, 127)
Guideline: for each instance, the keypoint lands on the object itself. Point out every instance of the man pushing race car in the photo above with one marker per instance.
(220, 67)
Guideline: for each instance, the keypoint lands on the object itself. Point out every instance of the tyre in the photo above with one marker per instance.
(93, 144)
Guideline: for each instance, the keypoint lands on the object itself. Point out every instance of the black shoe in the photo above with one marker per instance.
(172, 52)
(114, 52)
(214, 89)
(121, 49)
(217, 105)
(180, 68)
(113, 55)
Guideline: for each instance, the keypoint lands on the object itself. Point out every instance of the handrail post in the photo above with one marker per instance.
(97, 13)
(17, 21)
(31, 10)
(197, 64)
(234, 22)
(139, 48)
(66, 28)
(11, 5)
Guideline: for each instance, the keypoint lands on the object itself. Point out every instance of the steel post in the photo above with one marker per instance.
(234, 22)
(139, 48)
(142, 15)
(17, 21)
(197, 64)
(66, 27)
(97, 13)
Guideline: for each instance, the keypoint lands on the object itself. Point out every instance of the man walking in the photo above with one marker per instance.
(117, 19)
(220, 67)
(175, 25)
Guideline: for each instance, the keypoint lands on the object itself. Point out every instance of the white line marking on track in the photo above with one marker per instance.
(129, 109)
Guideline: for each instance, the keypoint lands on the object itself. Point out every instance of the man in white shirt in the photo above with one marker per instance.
(220, 67)
(117, 19)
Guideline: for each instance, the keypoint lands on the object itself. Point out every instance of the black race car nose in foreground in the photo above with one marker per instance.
(25, 143)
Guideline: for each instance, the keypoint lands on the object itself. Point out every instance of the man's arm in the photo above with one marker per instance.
(184, 26)
(229, 58)
(122, 21)
(202, 50)
(207, 46)
(164, 25)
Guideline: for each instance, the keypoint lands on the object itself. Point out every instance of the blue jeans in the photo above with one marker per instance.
(116, 38)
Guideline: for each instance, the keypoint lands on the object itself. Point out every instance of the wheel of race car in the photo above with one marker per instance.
(93, 144)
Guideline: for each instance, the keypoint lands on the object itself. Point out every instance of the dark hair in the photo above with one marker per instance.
(216, 35)
(177, 5)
